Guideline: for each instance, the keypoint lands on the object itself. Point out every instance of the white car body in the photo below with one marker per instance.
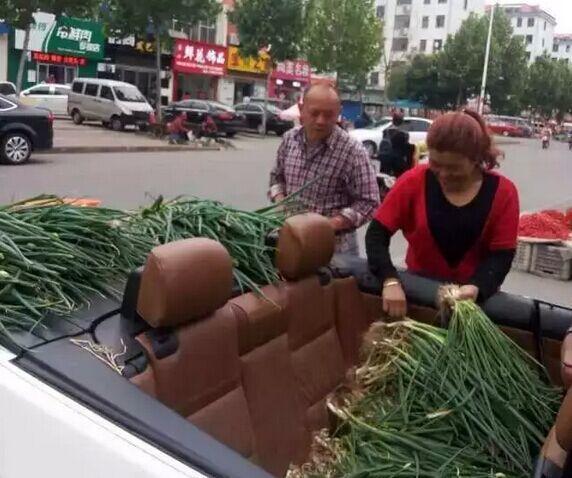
(53, 97)
(45, 433)
(371, 137)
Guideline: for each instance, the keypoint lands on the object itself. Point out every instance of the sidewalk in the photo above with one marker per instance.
(94, 138)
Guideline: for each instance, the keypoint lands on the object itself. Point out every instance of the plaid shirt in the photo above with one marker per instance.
(346, 183)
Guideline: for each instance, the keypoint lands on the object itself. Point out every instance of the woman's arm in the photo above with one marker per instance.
(377, 241)
(492, 272)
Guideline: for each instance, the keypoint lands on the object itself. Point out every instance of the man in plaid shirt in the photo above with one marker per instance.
(344, 186)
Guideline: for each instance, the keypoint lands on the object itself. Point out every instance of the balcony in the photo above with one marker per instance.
(403, 10)
(402, 32)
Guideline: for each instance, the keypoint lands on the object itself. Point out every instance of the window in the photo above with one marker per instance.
(417, 126)
(519, 22)
(530, 22)
(555, 48)
(61, 91)
(423, 46)
(427, 2)
(399, 44)
(440, 21)
(442, 1)
(91, 89)
(528, 55)
(543, 43)
(544, 26)
(380, 12)
(466, 4)
(198, 105)
(6, 105)
(425, 22)
(106, 93)
(77, 87)
(7, 89)
(203, 31)
(567, 48)
(374, 78)
(403, 2)
(254, 108)
(437, 45)
(129, 94)
(43, 90)
(529, 39)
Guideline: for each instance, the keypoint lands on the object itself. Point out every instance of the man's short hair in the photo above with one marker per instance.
(397, 118)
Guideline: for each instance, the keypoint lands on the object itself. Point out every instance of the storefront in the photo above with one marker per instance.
(289, 79)
(197, 68)
(248, 75)
(59, 50)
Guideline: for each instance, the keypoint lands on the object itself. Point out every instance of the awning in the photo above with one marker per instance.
(4, 28)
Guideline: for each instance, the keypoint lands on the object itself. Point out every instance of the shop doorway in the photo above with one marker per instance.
(63, 75)
(242, 90)
(199, 87)
(142, 79)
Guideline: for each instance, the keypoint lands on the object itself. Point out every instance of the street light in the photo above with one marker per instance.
(486, 67)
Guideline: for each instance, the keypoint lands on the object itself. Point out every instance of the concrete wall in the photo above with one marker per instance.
(542, 32)
(3, 57)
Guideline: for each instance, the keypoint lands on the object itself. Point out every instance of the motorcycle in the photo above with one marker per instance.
(545, 142)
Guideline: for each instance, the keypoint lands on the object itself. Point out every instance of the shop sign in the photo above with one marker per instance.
(58, 59)
(201, 58)
(141, 46)
(248, 65)
(298, 70)
(66, 36)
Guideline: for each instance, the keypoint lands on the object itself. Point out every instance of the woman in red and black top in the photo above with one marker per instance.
(459, 218)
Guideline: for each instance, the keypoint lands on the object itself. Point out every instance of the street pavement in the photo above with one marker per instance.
(239, 177)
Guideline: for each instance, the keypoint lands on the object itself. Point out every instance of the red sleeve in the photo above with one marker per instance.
(504, 228)
(396, 210)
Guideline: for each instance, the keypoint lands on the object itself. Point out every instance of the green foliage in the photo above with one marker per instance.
(275, 23)
(548, 89)
(18, 13)
(343, 36)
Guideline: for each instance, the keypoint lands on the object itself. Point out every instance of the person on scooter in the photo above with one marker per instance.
(459, 217)
(177, 130)
(546, 135)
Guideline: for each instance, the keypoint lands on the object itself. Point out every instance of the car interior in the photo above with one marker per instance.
(235, 384)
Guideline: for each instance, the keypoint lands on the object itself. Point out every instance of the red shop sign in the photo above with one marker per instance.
(57, 59)
(202, 58)
(298, 70)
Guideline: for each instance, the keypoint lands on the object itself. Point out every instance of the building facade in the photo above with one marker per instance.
(412, 27)
(534, 25)
(562, 47)
(4, 30)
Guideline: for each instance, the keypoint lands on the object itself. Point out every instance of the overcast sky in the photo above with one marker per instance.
(560, 9)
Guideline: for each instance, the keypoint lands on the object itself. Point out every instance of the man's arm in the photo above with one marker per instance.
(277, 191)
(363, 190)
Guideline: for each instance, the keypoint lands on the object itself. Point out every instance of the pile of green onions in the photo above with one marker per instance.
(427, 402)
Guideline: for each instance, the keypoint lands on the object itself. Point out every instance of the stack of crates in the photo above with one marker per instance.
(523, 257)
(551, 261)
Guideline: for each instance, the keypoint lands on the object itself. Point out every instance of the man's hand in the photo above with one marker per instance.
(469, 292)
(394, 301)
(278, 198)
(340, 223)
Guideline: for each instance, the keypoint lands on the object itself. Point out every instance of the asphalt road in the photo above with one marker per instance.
(239, 177)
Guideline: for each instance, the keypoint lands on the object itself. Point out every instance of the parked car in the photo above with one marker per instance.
(524, 128)
(253, 112)
(279, 103)
(114, 103)
(49, 96)
(23, 129)
(8, 89)
(227, 120)
(371, 136)
(504, 128)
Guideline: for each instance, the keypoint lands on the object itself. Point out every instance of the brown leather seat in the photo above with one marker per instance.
(566, 360)
(194, 363)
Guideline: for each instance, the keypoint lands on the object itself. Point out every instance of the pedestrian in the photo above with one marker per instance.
(342, 180)
(397, 124)
(209, 129)
(459, 217)
(177, 130)
(402, 156)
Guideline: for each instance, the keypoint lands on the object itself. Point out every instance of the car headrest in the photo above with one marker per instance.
(306, 243)
(184, 281)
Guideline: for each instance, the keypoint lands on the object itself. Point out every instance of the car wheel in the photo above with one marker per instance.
(370, 147)
(143, 127)
(117, 124)
(280, 132)
(16, 148)
(231, 134)
(77, 117)
(505, 133)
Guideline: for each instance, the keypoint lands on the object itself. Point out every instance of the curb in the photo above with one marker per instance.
(124, 149)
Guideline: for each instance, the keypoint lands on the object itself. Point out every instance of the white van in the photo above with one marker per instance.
(114, 103)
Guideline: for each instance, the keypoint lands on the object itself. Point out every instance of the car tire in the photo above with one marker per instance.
(505, 133)
(116, 123)
(143, 127)
(370, 147)
(77, 118)
(231, 134)
(279, 132)
(16, 148)
(105, 124)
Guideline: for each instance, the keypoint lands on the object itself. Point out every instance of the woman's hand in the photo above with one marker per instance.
(469, 292)
(394, 301)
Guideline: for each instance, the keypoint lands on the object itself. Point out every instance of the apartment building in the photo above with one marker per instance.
(562, 47)
(534, 25)
(419, 26)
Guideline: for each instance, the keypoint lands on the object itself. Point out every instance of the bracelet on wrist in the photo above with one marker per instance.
(391, 283)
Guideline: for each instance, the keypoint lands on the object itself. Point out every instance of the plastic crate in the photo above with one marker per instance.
(552, 261)
(523, 257)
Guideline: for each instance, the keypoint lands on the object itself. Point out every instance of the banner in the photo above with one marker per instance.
(201, 58)
(236, 62)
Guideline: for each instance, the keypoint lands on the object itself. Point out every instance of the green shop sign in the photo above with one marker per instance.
(67, 36)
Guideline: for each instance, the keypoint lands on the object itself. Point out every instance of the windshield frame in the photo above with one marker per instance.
(121, 95)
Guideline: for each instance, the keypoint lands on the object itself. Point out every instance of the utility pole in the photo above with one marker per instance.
(486, 67)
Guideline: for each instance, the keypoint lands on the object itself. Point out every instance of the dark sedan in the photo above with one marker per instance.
(23, 129)
(225, 117)
(254, 112)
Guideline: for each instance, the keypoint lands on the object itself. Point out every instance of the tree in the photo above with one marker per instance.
(425, 82)
(396, 86)
(462, 59)
(343, 36)
(548, 87)
(136, 17)
(270, 25)
(20, 14)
